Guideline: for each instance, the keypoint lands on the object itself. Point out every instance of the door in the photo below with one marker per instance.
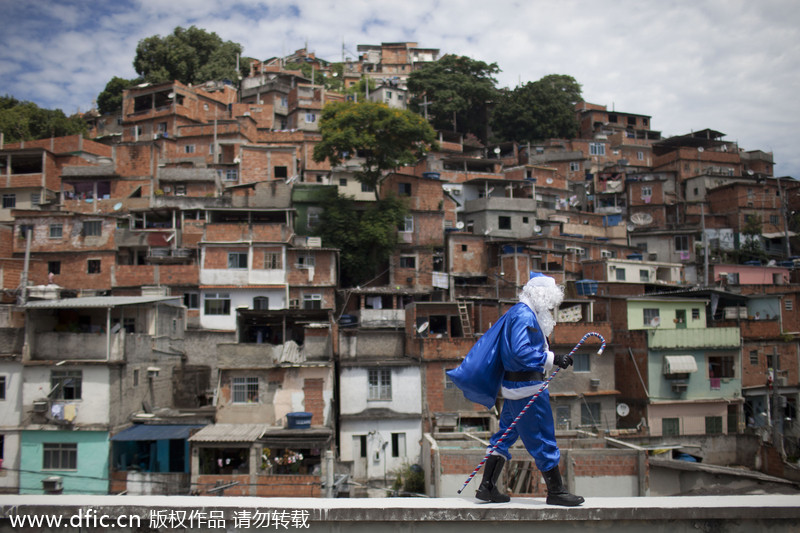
(680, 318)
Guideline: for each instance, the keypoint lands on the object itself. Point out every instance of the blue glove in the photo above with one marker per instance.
(564, 361)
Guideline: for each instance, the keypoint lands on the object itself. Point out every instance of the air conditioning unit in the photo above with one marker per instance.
(594, 384)
(314, 242)
(40, 406)
(679, 387)
(52, 485)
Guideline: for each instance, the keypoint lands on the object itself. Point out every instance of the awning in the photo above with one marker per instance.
(155, 432)
(230, 433)
(679, 364)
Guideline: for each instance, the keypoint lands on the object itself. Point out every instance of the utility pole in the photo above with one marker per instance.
(785, 209)
(705, 243)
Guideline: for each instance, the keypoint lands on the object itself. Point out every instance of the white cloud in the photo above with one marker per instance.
(726, 65)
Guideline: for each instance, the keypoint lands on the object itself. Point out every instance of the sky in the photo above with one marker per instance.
(728, 65)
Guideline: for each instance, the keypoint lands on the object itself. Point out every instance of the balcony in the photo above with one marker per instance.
(668, 339)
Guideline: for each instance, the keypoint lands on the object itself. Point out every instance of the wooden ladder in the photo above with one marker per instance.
(463, 313)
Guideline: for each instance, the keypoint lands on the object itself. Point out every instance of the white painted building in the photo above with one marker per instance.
(380, 422)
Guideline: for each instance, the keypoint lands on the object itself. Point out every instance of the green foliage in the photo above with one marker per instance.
(538, 110)
(409, 481)
(21, 120)
(366, 235)
(459, 91)
(110, 100)
(751, 248)
(188, 55)
(384, 137)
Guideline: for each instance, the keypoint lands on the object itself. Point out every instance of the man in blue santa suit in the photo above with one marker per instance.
(514, 358)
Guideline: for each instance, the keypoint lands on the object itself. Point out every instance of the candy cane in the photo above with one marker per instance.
(530, 402)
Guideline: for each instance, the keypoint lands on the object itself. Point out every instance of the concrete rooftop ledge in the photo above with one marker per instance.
(698, 513)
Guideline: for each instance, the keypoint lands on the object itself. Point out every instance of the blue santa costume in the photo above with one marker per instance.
(514, 358)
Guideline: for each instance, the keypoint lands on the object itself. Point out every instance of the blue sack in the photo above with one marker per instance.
(481, 372)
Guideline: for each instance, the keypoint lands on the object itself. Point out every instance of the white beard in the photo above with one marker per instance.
(542, 300)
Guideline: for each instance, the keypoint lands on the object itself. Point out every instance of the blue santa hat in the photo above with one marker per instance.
(540, 280)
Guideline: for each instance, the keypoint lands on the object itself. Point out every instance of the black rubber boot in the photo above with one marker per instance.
(556, 493)
(488, 491)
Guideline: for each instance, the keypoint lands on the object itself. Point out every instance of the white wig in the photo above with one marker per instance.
(543, 296)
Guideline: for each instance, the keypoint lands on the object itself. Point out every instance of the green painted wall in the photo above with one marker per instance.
(668, 312)
(92, 463)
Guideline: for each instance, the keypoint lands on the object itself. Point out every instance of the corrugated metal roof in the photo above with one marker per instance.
(99, 301)
(230, 433)
(155, 432)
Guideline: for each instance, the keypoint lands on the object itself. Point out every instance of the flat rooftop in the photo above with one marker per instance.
(140, 513)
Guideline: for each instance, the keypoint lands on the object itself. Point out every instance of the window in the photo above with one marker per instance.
(597, 149)
(504, 222)
(313, 217)
(713, 425)
(65, 384)
(670, 427)
(230, 174)
(681, 243)
(217, 303)
(311, 117)
(312, 301)
(620, 274)
(408, 224)
(342, 182)
(581, 362)
(774, 220)
(367, 188)
(36, 198)
(398, 444)
(60, 456)
(640, 156)
(188, 149)
(56, 231)
(721, 367)
(650, 316)
(788, 304)
(306, 261)
(135, 377)
(590, 413)
(281, 172)
(574, 166)
(261, 303)
(754, 357)
(464, 248)
(272, 260)
(237, 259)
(647, 192)
(404, 189)
(191, 300)
(644, 275)
(54, 267)
(695, 313)
(408, 261)
(9, 200)
(180, 190)
(93, 266)
(2, 387)
(92, 228)
(245, 390)
(380, 385)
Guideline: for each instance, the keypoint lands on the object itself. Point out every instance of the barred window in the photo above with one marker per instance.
(245, 390)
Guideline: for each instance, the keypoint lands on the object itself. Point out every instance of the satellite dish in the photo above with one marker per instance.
(549, 180)
(642, 219)
(623, 410)
(701, 149)
(459, 225)
(631, 227)
(422, 327)
(655, 321)
(497, 150)
(117, 206)
(750, 172)
(537, 228)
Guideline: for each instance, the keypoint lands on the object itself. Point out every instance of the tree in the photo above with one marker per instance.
(365, 235)
(110, 100)
(188, 55)
(21, 120)
(538, 110)
(458, 91)
(384, 137)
